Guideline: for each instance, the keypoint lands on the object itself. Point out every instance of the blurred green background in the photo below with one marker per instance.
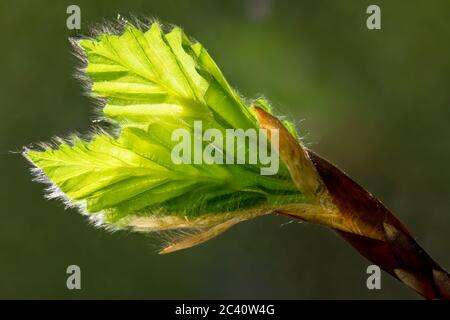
(376, 103)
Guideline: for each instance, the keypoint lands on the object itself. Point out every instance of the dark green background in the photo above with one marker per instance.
(376, 103)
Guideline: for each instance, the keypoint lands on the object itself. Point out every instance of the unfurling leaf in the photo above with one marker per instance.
(156, 86)
(153, 83)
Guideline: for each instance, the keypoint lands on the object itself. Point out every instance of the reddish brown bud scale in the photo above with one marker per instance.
(357, 216)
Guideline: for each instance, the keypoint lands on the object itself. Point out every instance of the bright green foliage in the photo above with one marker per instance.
(153, 83)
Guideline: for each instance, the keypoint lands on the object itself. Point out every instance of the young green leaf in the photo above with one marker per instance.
(153, 83)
